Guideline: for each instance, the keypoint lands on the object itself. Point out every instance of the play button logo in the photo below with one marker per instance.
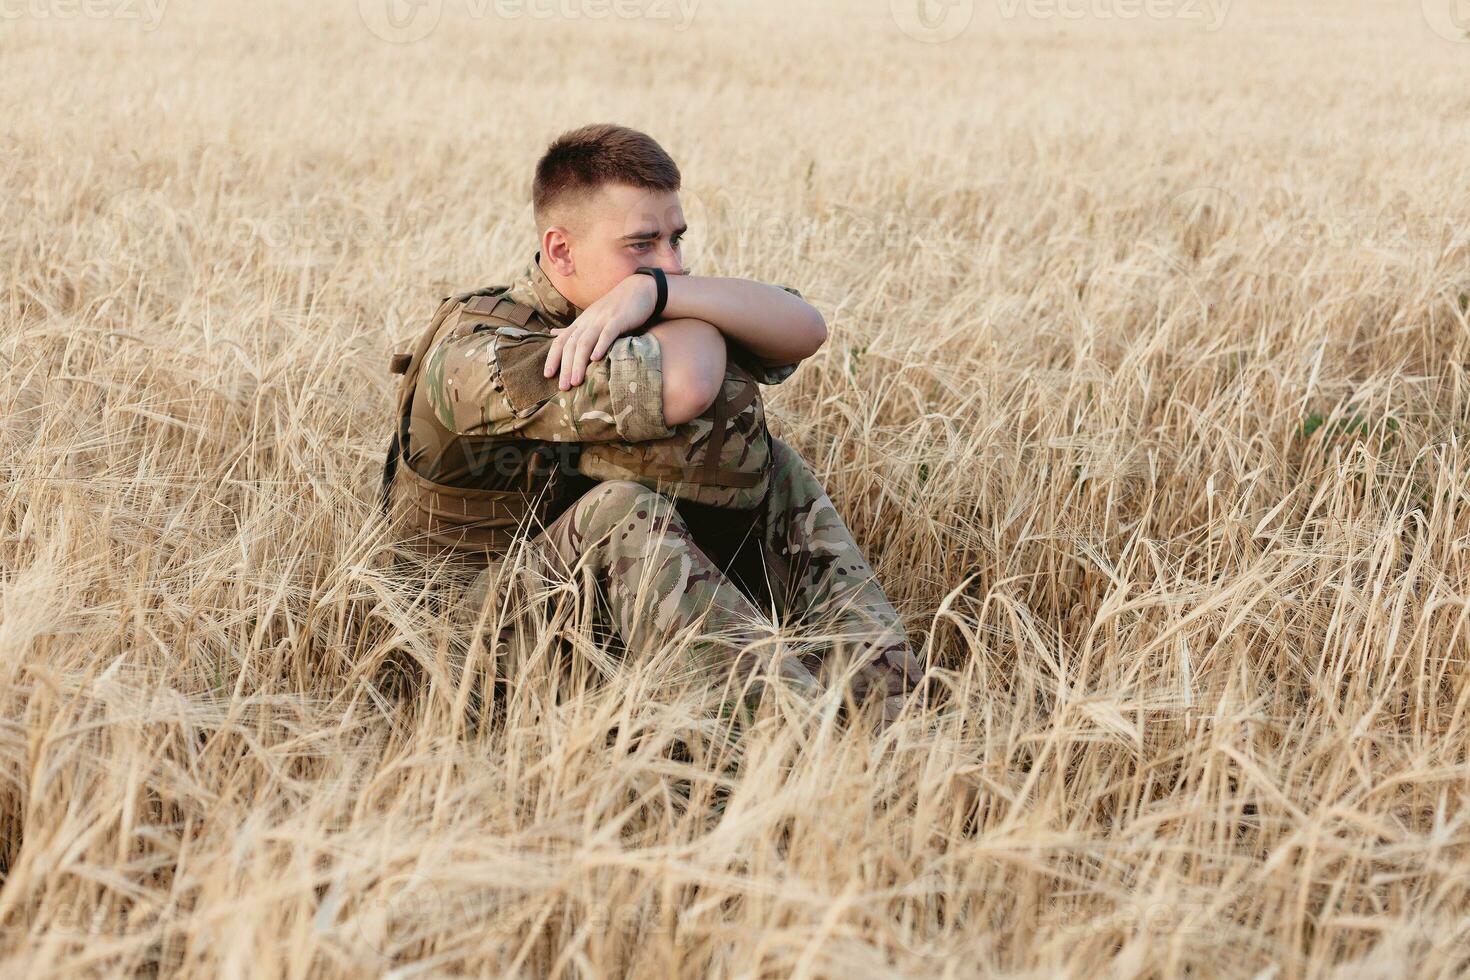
(400, 21)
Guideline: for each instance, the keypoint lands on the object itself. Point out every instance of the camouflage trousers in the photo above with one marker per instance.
(660, 586)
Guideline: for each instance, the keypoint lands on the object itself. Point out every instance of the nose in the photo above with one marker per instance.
(669, 260)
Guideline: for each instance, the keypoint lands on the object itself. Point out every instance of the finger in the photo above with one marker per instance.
(604, 342)
(562, 338)
(553, 356)
(569, 363)
(585, 344)
(568, 355)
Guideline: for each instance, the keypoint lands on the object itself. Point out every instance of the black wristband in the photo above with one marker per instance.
(663, 292)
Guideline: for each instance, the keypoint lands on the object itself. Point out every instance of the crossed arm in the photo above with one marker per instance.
(773, 323)
(489, 383)
(693, 367)
(501, 383)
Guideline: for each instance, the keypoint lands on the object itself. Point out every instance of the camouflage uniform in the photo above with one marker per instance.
(688, 530)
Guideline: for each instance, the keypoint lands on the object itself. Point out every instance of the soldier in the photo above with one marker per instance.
(605, 408)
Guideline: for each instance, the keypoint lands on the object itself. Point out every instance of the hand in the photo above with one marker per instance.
(622, 310)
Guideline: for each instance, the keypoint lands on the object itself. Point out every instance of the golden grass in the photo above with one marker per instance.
(1145, 393)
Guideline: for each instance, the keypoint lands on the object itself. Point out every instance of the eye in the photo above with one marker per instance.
(676, 241)
(641, 246)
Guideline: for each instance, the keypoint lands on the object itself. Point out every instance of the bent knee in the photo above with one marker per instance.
(616, 501)
(614, 492)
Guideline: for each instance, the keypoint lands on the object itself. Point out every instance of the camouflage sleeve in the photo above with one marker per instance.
(489, 382)
(767, 374)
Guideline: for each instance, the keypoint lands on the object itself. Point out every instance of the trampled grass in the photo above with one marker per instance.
(1145, 393)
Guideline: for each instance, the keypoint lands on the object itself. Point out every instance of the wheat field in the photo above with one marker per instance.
(1145, 393)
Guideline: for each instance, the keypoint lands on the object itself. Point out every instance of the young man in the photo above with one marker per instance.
(606, 404)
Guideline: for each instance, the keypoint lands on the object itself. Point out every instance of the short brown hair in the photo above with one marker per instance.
(581, 160)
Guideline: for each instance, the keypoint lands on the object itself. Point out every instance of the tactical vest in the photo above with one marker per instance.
(466, 522)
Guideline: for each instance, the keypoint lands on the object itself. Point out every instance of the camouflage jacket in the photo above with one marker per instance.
(483, 399)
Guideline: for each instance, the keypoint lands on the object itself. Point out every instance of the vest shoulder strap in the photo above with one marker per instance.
(494, 307)
(488, 306)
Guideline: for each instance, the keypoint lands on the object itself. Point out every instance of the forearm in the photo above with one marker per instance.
(772, 324)
(693, 358)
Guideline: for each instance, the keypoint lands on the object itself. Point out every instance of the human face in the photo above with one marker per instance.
(616, 230)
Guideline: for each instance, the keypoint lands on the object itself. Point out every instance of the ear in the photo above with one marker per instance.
(556, 249)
